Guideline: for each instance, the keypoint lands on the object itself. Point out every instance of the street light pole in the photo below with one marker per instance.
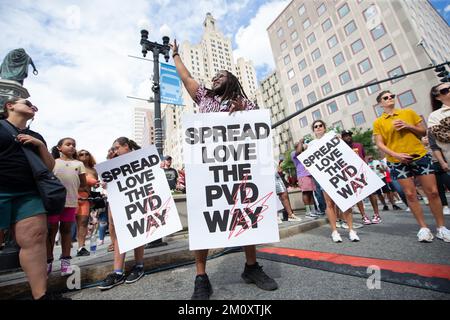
(157, 49)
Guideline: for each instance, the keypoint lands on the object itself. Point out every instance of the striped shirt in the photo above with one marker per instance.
(213, 104)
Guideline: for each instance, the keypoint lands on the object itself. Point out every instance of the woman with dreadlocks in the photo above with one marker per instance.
(226, 95)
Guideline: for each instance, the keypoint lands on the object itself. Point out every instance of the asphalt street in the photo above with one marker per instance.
(395, 239)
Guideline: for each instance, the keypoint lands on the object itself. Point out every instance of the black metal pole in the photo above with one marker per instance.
(157, 93)
(276, 124)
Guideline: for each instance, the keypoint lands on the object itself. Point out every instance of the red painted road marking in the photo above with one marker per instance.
(421, 269)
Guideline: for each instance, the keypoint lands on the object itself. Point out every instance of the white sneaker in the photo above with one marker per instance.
(344, 225)
(426, 201)
(446, 211)
(279, 220)
(294, 218)
(353, 236)
(425, 235)
(408, 209)
(336, 237)
(443, 233)
(339, 224)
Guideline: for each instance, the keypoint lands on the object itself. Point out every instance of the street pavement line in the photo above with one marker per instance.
(428, 276)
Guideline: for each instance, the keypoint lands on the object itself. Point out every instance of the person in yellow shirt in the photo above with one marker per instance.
(397, 133)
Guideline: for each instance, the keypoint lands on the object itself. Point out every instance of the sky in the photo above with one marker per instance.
(81, 49)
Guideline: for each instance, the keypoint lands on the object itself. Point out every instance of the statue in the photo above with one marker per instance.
(15, 66)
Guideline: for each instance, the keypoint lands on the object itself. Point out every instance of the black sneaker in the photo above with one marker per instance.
(395, 207)
(203, 289)
(255, 274)
(385, 208)
(135, 274)
(112, 280)
(83, 252)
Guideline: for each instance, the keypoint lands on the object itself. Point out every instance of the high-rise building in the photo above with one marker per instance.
(204, 60)
(271, 97)
(143, 127)
(325, 47)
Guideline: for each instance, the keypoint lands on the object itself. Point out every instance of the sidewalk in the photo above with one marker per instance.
(94, 268)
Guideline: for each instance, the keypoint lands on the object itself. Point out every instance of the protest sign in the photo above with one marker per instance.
(343, 175)
(230, 182)
(141, 202)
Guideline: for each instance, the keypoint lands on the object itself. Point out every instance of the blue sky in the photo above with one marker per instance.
(81, 50)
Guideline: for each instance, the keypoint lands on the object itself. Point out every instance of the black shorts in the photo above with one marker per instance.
(385, 189)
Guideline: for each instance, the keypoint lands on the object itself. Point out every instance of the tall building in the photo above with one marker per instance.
(325, 47)
(271, 97)
(204, 60)
(143, 127)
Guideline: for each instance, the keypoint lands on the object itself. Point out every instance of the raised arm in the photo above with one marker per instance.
(190, 83)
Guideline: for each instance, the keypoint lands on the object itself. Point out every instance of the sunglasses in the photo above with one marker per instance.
(29, 104)
(444, 91)
(318, 126)
(385, 98)
(84, 154)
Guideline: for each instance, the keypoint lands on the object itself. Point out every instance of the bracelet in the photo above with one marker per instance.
(175, 54)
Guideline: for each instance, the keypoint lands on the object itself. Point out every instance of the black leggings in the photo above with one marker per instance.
(443, 181)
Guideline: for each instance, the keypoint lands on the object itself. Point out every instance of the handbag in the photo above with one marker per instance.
(51, 190)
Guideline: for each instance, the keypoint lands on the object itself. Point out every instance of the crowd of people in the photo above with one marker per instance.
(404, 163)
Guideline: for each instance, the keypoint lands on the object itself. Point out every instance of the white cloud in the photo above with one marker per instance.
(81, 52)
(447, 8)
(253, 41)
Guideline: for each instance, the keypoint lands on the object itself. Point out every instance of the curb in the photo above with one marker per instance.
(95, 271)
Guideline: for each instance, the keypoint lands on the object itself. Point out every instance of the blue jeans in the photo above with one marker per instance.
(398, 189)
(318, 194)
(102, 224)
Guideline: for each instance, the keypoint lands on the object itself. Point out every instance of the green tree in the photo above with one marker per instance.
(365, 138)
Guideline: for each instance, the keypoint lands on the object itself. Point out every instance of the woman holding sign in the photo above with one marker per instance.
(226, 95)
(122, 146)
(397, 133)
(319, 128)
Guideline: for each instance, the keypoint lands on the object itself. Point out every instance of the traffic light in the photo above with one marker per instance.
(442, 74)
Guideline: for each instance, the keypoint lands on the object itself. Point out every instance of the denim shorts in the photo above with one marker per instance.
(420, 167)
(16, 206)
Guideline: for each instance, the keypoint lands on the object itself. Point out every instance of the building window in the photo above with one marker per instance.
(302, 65)
(316, 115)
(321, 9)
(303, 122)
(406, 99)
(307, 81)
(326, 88)
(338, 125)
(290, 22)
(280, 32)
(364, 66)
(378, 110)
(378, 32)
(357, 46)
(312, 97)
(306, 24)
(370, 12)
(321, 71)
(332, 107)
(351, 97)
(311, 38)
(299, 105)
(387, 52)
(338, 59)
(298, 49)
(316, 54)
(301, 10)
(350, 28)
(295, 89)
(345, 77)
(294, 35)
(374, 88)
(326, 25)
(343, 11)
(283, 45)
(291, 74)
(287, 60)
(358, 118)
(396, 72)
(332, 41)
